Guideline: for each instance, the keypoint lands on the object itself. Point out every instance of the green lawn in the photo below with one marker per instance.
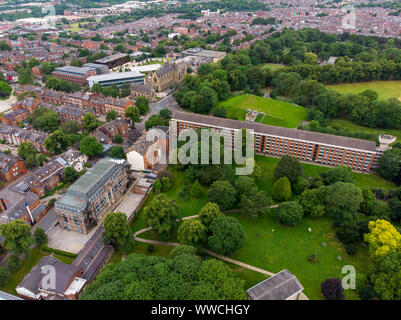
(274, 247)
(353, 127)
(27, 265)
(385, 89)
(75, 27)
(273, 66)
(278, 113)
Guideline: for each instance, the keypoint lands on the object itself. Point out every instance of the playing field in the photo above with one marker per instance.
(385, 89)
(278, 113)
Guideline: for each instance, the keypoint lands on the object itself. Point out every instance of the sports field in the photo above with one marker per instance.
(385, 89)
(277, 113)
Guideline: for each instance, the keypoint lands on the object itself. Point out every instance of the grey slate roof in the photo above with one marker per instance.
(281, 286)
(315, 137)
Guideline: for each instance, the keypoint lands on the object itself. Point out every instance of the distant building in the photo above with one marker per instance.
(282, 286)
(115, 127)
(100, 68)
(90, 197)
(206, 55)
(114, 60)
(116, 78)
(76, 75)
(14, 117)
(68, 283)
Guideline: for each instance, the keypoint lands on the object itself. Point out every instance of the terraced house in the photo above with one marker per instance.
(91, 196)
(14, 135)
(320, 148)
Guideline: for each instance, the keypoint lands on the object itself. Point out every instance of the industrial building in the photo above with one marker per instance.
(117, 78)
(310, 146)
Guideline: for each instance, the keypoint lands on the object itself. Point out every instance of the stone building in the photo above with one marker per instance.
(168, 75)
(143, 90)
(92, 195)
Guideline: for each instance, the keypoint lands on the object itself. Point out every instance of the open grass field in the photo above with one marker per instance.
(27, 265)
(274, 247)
(278, 113)
(385, 89)
(352, 127)
(75, 27)
(273, 66)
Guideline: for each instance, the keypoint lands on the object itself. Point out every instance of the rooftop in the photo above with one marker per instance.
(116, 76)
(111, 58)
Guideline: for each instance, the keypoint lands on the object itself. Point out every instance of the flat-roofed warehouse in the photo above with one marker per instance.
(206, 55)
(114, 60)
(320, 148)
(117, 78)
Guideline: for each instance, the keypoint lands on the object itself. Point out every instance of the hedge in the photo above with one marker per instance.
(59, 252)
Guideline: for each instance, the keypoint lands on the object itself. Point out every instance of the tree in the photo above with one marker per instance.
(70, 127)
(368, 201)
(227, 235)
(312, 202)
(281, 189)
(5, 89)
(90, 147)
(17, 236)
(166, 184)
(117, 230)
(89, 122)
(289, 213)
(348, 232)
(41, 159)
(118, 138)
(4, 276)
(157, 186)
(161, 214)
(182, 249)
(196, 190)
(117, 152)
(70, 175)
(288, 167)
(27, 151)
(153, 120)
(383, 238)
(45, 119)
(133, 114)
(389, 163)
(380, 210)
(302, 185)
(40, 236)
(339, 173)
(208, 213)
(255, 204)
(111, 115)
(191, 232)
(13, 263)
(343, 200)
(332, 289)
(223, 194)
(245, 185)
(142, 103)
(57, 142)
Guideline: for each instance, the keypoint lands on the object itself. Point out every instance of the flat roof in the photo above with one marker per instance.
(116, 76)
(73, 69)
(111, 58)
(304, 135)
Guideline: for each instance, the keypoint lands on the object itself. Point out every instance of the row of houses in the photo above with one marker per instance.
(83, 100)
(15, 136)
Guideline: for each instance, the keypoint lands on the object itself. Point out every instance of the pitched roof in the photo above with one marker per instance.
(295, 134)
(281, 286)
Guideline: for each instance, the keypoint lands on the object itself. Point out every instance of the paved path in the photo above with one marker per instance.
(175, 244)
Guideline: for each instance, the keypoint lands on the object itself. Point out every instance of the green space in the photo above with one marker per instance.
(385, 89)
(273, 66)
(75, 27)
(278, 113)
(17, 276)
(272, 246)
(352, 127)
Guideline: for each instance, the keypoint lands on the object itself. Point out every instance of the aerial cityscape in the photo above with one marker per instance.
(192, 150)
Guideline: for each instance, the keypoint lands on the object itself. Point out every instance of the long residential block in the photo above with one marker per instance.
(320, 148)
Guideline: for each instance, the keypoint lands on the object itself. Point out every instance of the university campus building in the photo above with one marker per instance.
(73, 74)
(91, 196)
(320, 148)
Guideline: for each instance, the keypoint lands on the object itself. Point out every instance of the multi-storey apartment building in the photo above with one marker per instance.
(92, 195)
(316, 147)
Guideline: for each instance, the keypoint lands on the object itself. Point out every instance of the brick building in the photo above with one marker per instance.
(76, 75)
(14, 117)
(115, 127)
(316, 147)
(168, 75)
(15, 136)
(11, 167)
(91, 196)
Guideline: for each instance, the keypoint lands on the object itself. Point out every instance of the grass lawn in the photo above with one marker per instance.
(75, 27)
(27, 265)
(274, 247)
(278, 113)
(353, 127)
(273, 66)
(385, 89)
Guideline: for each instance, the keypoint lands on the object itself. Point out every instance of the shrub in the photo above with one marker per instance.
(350, 249)
(182, 249)
(157, 186)
(332, 289)
(290, 213)
(348, 232)
(196, 190)
(208, 213)
(288, 167)
(13, 263)
(4, 276)
(281, 189)
(223, 194)
(118, 139)
(301, 186)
